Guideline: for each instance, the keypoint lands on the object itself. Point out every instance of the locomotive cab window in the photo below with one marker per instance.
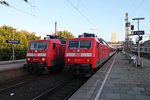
(73, 44)
(38, 45)
(80, 44)
(42, 46)
(85, 44)
(33, 45)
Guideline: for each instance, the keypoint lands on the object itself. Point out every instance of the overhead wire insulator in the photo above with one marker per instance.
(4, 3)
(26, 1)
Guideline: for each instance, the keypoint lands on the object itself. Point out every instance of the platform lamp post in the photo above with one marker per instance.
(138, 19)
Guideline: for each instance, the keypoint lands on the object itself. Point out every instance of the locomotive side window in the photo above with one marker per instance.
(38, 45)
(54, 46)
(85, 44)
(73, 44)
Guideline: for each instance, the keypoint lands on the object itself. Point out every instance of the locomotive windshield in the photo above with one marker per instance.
(38, 45)
(80, 44)
(73, 44)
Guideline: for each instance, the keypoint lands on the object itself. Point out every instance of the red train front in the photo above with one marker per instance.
(45, 55)
(85, 54)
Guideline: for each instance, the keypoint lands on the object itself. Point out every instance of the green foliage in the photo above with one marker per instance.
(9, 33)
(65, 34)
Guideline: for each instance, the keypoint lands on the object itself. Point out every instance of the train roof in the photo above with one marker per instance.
(52, 38)
(83, 38)
(87, 36)
(99, 40)
(59, 41)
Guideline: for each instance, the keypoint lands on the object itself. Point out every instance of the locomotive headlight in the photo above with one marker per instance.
(43, 59)
(28, 58)
(68, 59)
(88, 60)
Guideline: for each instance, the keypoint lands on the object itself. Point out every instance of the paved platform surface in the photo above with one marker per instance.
(10, 69)
(7, 65)
(117, 80)
(11, 62)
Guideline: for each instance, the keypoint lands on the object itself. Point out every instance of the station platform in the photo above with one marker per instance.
(117, 80)
(6, 65)
(11, 69)
(11, 62)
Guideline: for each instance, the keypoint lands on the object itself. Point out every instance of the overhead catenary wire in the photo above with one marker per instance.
(78, 5)
(29, 3)
(131, 6)
(85, 17)
(3, 2)
(145, 12)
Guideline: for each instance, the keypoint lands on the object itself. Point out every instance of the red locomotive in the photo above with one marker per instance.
(45, 54)
(85, 53)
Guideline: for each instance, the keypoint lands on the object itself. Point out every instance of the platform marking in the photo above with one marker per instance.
(104, 81)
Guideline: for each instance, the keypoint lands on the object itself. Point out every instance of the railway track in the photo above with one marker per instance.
(56, 86)
(11, 83)
(49, 87)
(63, 90)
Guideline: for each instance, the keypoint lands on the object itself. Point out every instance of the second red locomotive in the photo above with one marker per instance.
(85, 53)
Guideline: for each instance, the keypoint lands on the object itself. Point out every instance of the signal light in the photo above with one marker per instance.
(132, 27)
(140, 38)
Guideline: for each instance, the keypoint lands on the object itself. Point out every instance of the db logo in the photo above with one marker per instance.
(78, 54)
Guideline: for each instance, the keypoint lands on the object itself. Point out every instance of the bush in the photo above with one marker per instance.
(6, 54)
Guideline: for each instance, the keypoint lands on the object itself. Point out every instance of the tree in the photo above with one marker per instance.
(30, 36)
(9, 33)
(65, 34)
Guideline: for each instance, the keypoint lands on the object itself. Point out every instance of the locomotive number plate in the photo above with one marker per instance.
(77, 60)
(35, 59)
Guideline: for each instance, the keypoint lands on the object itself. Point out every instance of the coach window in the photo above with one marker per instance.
(73, 44)
(85, 44)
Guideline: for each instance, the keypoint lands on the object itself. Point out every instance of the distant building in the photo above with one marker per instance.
(113, 37)
(146, 43)
(118, 44)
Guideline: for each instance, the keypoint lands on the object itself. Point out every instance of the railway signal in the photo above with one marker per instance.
(132, 27)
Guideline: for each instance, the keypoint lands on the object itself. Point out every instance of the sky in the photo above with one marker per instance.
(101, 17)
